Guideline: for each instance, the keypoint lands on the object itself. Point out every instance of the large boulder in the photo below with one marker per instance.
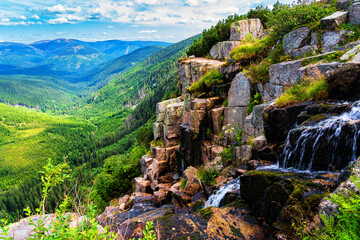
(334, 20)
(192, 69)
(295, 39)
(235, 116)
(239, 30)
(331, 39)
(239, 92)
(254, 125)
(222, 50)
(302, 52)
(354, 14)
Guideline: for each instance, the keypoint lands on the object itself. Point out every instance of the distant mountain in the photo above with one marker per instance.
(65, 55)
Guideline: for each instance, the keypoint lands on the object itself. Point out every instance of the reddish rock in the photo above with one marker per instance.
(142, 185)
(171, 131)
(181, 197)
(158, 152)
(145, 162)
(220, 179)
(164, 186)
(160, 197)
(205, 152)
(159, 167)
(216, 115)
(139, 197)
(165, 179)
(124, 202)
(190, 174)
(204, 104)
(196, 119)
(191, 188)
(171, 142)
(171, 157)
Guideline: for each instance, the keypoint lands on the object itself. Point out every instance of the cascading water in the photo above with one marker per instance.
(215, 199)
(328, 145)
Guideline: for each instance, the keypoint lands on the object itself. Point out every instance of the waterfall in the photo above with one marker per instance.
(215, 199)
(328, 145)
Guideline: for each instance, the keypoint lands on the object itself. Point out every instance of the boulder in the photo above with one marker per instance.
(171, 157)
(354, 14)
(343, 5)
(239, 92)
(235, 116)
(216, 151)
(295, 39)
(142, 185)
(331, 39)
(204, 104)
(282, 75)
(158, 152)
(334, 20)
(216, 119)
(192, 69)
(191, 188)
(260, 142)
(314, 39)
(223, 49)
(190, 174)
(302, 52)
(254, 124)
(246, 152)
(352, 54)
(239, 30)
(180, 196)
(124, 202)
(161, 197)
(159, 167)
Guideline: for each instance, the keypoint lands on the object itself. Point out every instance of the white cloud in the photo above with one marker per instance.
(62, 9)
(36, 17)
(104, 33)
(59, 20)
(148, 2)
(110, 26)
(60, 33)
(23, 17)
(192, 2)
(148, 31)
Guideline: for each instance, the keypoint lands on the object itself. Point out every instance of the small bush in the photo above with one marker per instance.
(255, 100)
(227, 155)
(250, 48)
(205, 83)
(308, 89)
(158, 143)
(183, 183)
(207, 175)
(259, 73)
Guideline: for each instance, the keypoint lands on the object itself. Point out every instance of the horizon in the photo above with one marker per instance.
(135, 20)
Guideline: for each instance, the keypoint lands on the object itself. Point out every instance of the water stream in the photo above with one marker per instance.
(215, 199)
(328, 145)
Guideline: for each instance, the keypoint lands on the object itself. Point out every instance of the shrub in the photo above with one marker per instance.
(227, 155)
(255, 100)
(207, 175)
(183, 183)
(259, 73)
(308, 89)
(205, 83)
(250, 48)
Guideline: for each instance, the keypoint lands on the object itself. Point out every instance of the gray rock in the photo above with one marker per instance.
(173, 113)
(354, 14)
(260, 142)
(235, 116)
(350, 54)
(222, 50)
(158, 130)
(295, 39)
(314, 39)
(331, 39)
(301, 52)
(343, 5)
(145, 162)
(334, 20)
(281, 75)
(216, 115)
(245, 152)
(239, 92)
(239, 30)
(254, 123)
(349, 46)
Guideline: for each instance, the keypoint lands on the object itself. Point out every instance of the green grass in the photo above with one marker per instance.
(308, 89)
(207, 175)
(249, 48)
(205, 83)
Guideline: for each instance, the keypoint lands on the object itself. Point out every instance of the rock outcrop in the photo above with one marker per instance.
(239, 30)
(223, 49)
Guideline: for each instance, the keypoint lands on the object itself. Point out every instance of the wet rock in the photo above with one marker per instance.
(196, 119)
(295, 39)
(354, 14)
(239, 93)
(260, 142)
(278, 121)
(334, 20)
(239, 30)
(306, 50)
(223, 49)
(191, 70)
(236, 156)
(254, 164)
(206, 152)
(331, 39)
(237, 172)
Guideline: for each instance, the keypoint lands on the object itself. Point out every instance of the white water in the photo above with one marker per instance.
(320, 132)
(215, 199)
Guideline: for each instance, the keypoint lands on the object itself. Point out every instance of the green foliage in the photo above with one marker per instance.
(325, 58)
(284, 17)
(158, 143)
(148, 232)
(307, 89)
(207, 175)
(227, 155)
(225, 103)
(259, 73)
(205, 83)
(352, 32)
(183, 183)
(250, 48)
(255, 100)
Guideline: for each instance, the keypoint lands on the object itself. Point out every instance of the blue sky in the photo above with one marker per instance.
(91, 20)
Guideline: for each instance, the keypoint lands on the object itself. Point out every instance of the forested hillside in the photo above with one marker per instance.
(116, 130)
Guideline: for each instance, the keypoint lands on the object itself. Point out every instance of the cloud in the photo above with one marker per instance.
(23, 17)
(110, 26)
(60, 20)
(36, 17)
(148, 2)
(192, 2)
(148, 31)
(62, 9)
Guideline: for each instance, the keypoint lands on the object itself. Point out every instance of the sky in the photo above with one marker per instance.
(95, 20)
